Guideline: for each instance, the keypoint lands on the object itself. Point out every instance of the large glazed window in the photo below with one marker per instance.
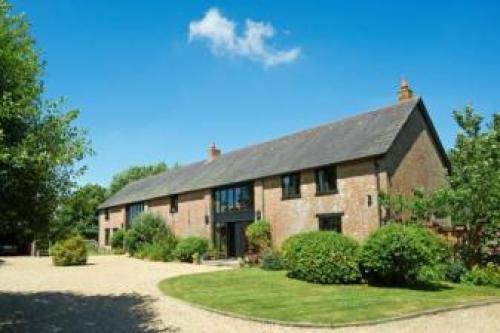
(233, 199)
(134, 210)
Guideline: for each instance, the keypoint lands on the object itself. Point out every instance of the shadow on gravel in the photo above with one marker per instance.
(66, 312)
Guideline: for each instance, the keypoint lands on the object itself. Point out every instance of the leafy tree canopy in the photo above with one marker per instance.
(135, 173)
(475, 183)
(77, 213)
(39, 145)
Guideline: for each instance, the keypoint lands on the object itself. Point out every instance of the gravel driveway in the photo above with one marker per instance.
(119, 294)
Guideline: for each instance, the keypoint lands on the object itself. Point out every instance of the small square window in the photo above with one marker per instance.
(326, 180)
(290, 186)
(174, 204)
(330, 223)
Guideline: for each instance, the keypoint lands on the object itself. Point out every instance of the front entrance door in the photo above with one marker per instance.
(236, 239)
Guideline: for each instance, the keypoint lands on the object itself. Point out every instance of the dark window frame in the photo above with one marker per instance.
(330, 216)
(286, 194)
(320, 187)
(139, 209)
(174, 204)
(106, 214)
(241, 198)
(107, 236)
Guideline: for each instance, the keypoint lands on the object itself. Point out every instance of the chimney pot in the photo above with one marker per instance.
(213, 152)
(405, 92)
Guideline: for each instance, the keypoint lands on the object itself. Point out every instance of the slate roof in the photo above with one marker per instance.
(364, 135)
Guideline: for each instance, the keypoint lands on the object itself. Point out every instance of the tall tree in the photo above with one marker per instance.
(135, 173)
(475, 183)
(472, 197)
(77, 213)
(39, 145)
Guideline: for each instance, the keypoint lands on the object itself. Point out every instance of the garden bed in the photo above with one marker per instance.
(272, 296)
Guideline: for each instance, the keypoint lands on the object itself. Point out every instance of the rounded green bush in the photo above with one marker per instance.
(271, 261)
(190, 246)
(454, 271)
(398, 254)
(489, 275)
(148, 228)
(258, 235)
(322, 257)
(69, 252)
(117, 239)
(157, 251)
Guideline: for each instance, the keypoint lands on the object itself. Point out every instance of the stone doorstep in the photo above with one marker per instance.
(231, 262)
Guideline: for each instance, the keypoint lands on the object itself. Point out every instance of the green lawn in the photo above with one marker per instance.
(271, 295)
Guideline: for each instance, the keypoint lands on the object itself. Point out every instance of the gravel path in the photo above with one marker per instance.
(119, 294)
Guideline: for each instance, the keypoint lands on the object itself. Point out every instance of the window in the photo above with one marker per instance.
(244, 198)
(326, 180)
(331, 222)
(290, 185)
(174, 204)
(133, 211)
(106, 214)
(106, 236)
(230, 199)
(233, 199)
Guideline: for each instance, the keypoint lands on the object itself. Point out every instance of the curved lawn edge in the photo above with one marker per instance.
(305, 324)
(309, 324)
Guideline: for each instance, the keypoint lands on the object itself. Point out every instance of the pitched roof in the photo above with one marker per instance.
(364, 135)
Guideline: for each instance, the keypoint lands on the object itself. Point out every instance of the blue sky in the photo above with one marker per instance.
(148, 92)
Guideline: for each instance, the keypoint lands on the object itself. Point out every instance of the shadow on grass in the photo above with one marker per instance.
(66, 312)
(419, 287)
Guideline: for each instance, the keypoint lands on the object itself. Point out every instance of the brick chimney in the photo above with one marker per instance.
(405, 92)
(213, 152)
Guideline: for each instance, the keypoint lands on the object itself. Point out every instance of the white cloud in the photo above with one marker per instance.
(223, 39)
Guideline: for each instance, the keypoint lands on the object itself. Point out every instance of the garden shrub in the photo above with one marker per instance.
(271, 261)
(117, 239)
(157, 251)
(489, 275)
(258, 235)
(454, 271)
(398, 254)
(322, 257)
(69, 252)
(190, 246)
(148, 228)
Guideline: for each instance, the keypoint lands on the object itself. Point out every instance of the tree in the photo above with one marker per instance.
(77, 214)
(39, 145)
(472, 196)
(475, 183)
(419, 207)
(135, 173)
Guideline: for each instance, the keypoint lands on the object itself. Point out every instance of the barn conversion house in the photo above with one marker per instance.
(326, 178)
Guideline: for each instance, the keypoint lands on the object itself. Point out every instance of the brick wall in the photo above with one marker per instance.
(413, 162)
(356, 181)
(190, 217)
(116, 220)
